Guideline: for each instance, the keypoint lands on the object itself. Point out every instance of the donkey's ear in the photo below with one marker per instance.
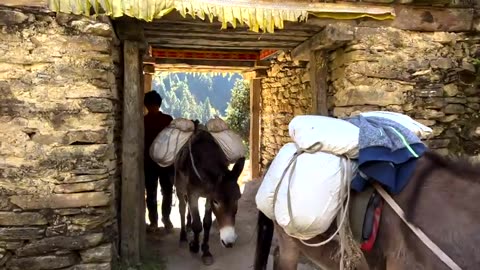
(238, 168)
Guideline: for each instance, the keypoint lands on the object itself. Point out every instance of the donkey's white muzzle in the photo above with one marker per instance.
(228, 236)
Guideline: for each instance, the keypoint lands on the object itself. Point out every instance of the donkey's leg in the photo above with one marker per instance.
(207, 224)
(394, 263)
(196, 222)
(182, 205)
(289, 252)
(189, 221)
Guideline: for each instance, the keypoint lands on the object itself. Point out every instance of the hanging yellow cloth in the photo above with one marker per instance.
(257, 15)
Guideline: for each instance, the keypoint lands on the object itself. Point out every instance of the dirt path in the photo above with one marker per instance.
(240, 257)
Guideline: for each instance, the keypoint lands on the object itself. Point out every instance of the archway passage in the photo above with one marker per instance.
(63, 79)
(177, 44)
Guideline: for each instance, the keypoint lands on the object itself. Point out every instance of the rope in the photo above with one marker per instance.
(417, 231)
(191, 159)
(345, 168)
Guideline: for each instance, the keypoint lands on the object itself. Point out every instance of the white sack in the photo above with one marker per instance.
(419, 129)
(231, 144)
(167, 144)
(216, 125)
(182, 124)
(265, 193)
(315, 190)
(336, 135)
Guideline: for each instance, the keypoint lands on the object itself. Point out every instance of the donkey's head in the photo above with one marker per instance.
(225, 203)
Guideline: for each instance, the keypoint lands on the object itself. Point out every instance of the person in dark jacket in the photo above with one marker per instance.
(155, 121)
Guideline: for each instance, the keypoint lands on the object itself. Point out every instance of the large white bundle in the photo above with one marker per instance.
(216, 125)
(231, 144)
(167, 144)
(419, 129)
(182, 124)
(315, 189)
(336, 136)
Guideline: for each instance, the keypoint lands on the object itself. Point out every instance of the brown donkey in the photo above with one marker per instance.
(202, 171)
(441, 199)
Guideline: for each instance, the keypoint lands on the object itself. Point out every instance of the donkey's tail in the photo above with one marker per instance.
(264, 241)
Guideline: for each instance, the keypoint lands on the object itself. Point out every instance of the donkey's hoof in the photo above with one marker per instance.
(194, 247)
(183, 236)
(183, 242)
(207, 259)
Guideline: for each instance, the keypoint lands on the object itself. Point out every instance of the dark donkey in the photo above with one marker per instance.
(202, 171)
(440, 199)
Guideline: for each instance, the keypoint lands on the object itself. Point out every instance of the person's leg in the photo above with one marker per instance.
(151, 185)
(166, 183)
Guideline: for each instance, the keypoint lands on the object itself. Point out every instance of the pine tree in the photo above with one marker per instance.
(194, 95)
(238, 110)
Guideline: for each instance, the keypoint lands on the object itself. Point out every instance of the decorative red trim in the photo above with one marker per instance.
(264, 54)
(208, 55)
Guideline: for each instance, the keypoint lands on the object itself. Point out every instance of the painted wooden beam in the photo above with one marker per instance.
(332, 37)
(268, 54)
(206, 54)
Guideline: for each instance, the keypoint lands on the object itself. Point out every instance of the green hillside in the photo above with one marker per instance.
(195, 96)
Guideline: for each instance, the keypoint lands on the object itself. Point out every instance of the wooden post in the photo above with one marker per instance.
(147, 81)
(255, 96)
(133, 200)
(148, 71)
(318, 81)
(142, 204)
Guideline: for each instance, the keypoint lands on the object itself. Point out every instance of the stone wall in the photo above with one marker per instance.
(431, 77)
(59, 107)
(285, 93)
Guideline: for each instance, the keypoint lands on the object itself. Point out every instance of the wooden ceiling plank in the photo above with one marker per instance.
(201, 47)
(203, 32)
(217, 44)
(224, 37)
(194, 62)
